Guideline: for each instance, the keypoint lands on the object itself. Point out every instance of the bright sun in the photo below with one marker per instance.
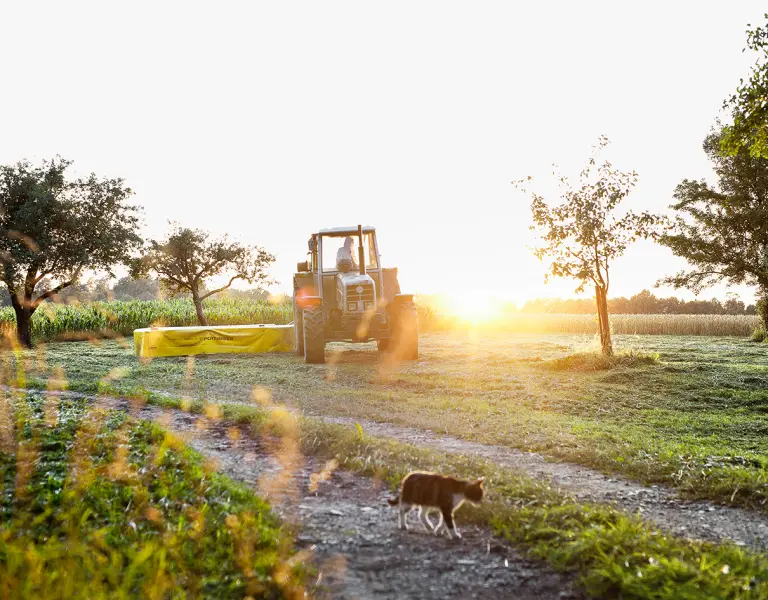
(472, 307)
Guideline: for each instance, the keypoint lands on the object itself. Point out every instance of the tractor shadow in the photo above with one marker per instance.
(341, 355)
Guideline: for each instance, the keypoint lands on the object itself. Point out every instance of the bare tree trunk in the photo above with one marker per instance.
(23, 312)
(601, 299)
(199, 308)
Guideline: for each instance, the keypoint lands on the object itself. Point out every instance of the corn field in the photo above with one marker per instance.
(714, 325)
(105, 319)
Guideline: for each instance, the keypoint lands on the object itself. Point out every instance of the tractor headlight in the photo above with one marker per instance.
(368, 305)
(351, 306)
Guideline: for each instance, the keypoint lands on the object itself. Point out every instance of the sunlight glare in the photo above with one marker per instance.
(473, 307)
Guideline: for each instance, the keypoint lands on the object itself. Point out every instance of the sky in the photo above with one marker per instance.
(267, 121)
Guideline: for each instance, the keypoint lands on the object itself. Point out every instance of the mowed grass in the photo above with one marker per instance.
(690, 412)
(95, 504)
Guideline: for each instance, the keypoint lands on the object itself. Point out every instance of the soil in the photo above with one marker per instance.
(350, 532)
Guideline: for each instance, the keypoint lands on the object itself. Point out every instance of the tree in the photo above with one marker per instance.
(127, 288)
(749, 104)
(52, 229)
(187, 259)
(644, 303)
(723, 231)
(93, 290)
(583, 235)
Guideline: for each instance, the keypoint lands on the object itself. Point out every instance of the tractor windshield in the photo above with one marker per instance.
(340, 253)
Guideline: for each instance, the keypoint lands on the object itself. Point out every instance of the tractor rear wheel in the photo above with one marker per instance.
(314, 335)
(406, 339)
(298, 330)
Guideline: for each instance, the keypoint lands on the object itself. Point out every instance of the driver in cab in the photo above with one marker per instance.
(345, 256)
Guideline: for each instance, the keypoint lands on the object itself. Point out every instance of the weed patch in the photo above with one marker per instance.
(597, 361)
(114, 507)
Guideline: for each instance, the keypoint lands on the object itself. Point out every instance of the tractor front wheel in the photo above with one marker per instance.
(314, 335)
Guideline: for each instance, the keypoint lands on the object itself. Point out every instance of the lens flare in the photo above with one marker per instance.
(473, 307)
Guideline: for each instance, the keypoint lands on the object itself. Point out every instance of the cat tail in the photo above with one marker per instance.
(394, 501)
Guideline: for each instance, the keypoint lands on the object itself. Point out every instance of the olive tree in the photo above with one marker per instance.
(53, 228)
(188, 258)
(583, 234)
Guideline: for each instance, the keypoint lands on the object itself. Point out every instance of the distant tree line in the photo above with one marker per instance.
(642, 303)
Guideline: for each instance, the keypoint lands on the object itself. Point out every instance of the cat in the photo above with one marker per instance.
(430, 490)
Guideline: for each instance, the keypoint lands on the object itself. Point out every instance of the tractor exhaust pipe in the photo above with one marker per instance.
(361, 251)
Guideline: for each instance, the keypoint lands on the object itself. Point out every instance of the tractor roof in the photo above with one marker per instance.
(352, 230)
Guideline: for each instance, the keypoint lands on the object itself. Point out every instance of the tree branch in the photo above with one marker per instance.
(221, 289)
(51, 292)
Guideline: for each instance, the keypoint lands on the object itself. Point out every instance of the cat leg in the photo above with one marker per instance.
(449, 525)
(440, 527)
(404, 509)
(424, 516)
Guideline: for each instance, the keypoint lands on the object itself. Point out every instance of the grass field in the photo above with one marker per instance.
(94, 504)
(691, 412)
(684, 411)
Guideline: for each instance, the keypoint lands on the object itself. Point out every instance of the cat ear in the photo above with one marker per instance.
(481, 479)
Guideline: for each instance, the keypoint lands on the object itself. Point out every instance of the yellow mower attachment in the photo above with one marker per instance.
(185, 341)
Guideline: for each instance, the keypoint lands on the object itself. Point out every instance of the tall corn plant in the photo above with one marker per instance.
(97, 319)
(582, 235)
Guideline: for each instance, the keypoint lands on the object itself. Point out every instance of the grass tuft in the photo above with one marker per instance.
(597, 361)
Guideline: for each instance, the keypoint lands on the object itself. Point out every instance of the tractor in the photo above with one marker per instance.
(338, 296)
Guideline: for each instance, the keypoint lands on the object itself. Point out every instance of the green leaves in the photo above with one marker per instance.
(583, 234)
(52, 228)
(722, 231)
(188, 258)
(748, 105)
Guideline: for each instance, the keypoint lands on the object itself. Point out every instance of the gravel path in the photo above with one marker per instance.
(660, 505)
(351, 533)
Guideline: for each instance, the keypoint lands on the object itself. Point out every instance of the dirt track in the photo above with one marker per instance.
(351, 532)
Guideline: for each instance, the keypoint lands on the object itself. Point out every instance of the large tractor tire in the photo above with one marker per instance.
(314, 335)
(406, 338)
(298, 330)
